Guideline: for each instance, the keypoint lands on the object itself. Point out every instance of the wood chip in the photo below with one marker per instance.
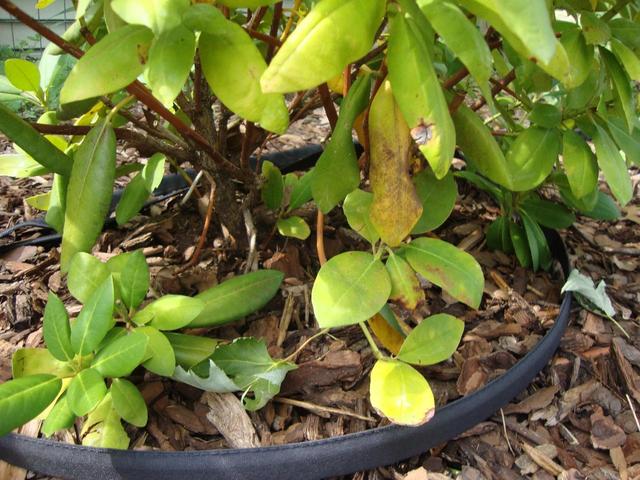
(231, 419)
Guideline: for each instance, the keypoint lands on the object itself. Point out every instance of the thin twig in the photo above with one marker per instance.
(321, 408)
(506, 435)
(252, 235)
(275, 25)
(633, 411)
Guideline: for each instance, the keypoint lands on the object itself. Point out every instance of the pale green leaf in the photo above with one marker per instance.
(128, 402)
(170, 312)
(434, 340)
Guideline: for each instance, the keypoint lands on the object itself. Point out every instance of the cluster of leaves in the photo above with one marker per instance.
(81, 371)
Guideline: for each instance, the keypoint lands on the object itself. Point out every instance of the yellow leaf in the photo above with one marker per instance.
(388, 336)
(44, 3)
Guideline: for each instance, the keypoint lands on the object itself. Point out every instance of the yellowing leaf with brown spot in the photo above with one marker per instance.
(396, 207)
(388, 336)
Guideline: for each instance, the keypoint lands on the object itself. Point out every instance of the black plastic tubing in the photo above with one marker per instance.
(311, 460)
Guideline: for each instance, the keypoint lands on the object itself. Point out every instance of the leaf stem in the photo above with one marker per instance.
(292, 357)
(119, 106)
(374, 347)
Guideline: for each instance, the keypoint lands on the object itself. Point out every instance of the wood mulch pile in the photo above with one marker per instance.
(576, 420)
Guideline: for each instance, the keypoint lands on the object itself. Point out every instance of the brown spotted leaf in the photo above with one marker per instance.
(405, 286)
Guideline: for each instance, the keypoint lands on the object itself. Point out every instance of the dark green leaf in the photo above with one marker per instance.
(545, 115)
(540, 253)
(520, 244)
(548, 214)
(134, 280)
(531, 157)
(438, 198)
(139, 189)
(190, 350)
(612, 165)
(273, 187)
(579, 164)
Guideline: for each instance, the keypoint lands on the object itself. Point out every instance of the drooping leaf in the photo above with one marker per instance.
(133, 282)
(301, 191)
(57, 203)
(548, 214)
(612, 165)
(438, 197)
(162, 359)
(61, 417)
(350, 288)
(540, 253)
(170, 312)
(138, 190)
(629, 143)
(418, 92)
(20, 165)
(628, 58)
(405, 286)
(237, 297)
(158, 15)
(314, 54)
(128, 402)
(89, 192)
(545, 115)
(434, 340)
(401, 393)
(23, 399)
(626, 30)
(580, 54)
(621, 84)
(596, 31)
(99, 71)
(396, 208)
(294, 227)
(86, 274)
(357, 209)
(531, 157)
(120, 357)
(95, 319)
(213, 380)
(390, 338)
(22, 74)
(520, 244)
(56, 329)
(34, 361)
(597, 296)
(190, 350)
(579, 164)
(273, 186)
(450, 268)
(337, 172)
(85, 391)
(103, 428)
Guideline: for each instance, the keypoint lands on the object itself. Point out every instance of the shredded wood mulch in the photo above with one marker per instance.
(578, 419)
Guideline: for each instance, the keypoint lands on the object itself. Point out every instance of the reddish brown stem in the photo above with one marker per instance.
(510, 77)
(275, 25)
(327, 103)
(273, 42)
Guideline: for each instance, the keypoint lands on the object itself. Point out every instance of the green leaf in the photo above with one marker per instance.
(545, 115)
(134, 280)
(357, 209)
(128, 402)
(237, 297)
(400, 393)
(252, 4)
(103, 428)
(337, 173)
(95, 319)
(585, 287)
(158, 15)
(162, 359)
(612, 165)
(294, 227)
(34, 144)
(350, 288)
(139, 188)
(20, 165)
(438, 198)
(301, 191)
(595, 30)
(448, 267)
(540, 253)
(629, 143)
(396, 208)
(273, 187)
(520, 244)
(34, 361)
(190, 350)
(481, 150)
(314, 54)
(23, 399)
(214, 379)
(85, 392)
(604, 209)
(548, 214)
(621, 87)
(120, 357)
(170, 312)
(56, 329)
(61, 417)
(57, 203)
(531, 157)
(628, 58)
(434, 340)
(89, 192)
(22, 74)
(100, 72)
(627, 31)
(418, 92)
(39, 202)
(580, 53)
(494, 234)
(579, 164)
(86, 274)
(405, 286)
(233, 65)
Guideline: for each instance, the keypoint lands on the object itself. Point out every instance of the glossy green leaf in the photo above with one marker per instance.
(95, 319)
(628, 58)
(60, 417)
(99, 71)
(579, 164)
(134, 280)
(190, 350)
(350, 288)
(418, 92)
(532, 156)
(357, 209)
(233, 65)
(34, 144)
(337, 173)
(294, 227)
(22, 74)
(396, 208)
(545, 115)
(85, 392)
(520, 244)
(448, 267)
(128, 402)
(23, 399)
(405, 286)
(138, 190)
(629, 143)
(438, 198)
(170, 312)
(34, 361)
(56, 329)
(237, 297)
(612, 165)
(120, 357)
(548, 214)
(481, 150)
(273, 186)
(314, 54)
(158, 15)
(434, 340)
(86, 274)
(401, 393)
(89, 192)
(621, 86)
(540, 253)
(162, 359)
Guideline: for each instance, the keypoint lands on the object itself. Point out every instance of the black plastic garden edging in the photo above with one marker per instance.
(311, 460)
